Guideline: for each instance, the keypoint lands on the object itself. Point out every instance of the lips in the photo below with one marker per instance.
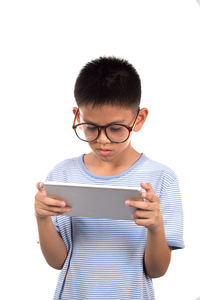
(104, 152)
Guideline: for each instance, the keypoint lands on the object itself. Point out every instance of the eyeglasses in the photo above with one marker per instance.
(116, 133)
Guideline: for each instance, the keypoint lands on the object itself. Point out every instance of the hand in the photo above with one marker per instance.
(147, 211)
(45, 206)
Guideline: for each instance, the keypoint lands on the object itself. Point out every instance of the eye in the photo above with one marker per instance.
(90, 127)
(115, 128)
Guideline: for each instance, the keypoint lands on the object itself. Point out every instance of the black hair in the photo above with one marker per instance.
(108, 80)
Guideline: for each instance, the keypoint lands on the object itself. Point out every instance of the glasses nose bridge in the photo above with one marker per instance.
(100, 128)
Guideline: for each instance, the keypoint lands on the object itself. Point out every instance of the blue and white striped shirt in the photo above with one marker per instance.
(105, 257)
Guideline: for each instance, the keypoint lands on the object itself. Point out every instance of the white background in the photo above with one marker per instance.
(44, 44)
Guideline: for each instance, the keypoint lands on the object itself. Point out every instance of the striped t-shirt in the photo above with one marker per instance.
(105, 256)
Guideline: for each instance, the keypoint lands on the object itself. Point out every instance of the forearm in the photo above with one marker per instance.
(52, 246)
(157, 253)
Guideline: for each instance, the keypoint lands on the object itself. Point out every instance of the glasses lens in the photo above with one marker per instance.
(87, 132)
(117, 133)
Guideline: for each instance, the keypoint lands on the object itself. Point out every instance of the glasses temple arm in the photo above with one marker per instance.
(75, 118)
(135, 118)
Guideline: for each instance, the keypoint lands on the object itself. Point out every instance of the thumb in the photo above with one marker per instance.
(40, 187)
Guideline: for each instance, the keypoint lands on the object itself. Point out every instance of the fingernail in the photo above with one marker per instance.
(68, 209)
(127, 202)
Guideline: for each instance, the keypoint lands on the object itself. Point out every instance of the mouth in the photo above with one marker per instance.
(104, 152)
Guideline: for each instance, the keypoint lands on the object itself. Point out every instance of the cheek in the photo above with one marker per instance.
(93, 145)
(121, 147)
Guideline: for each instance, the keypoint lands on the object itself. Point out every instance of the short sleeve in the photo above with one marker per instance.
(62, 223)
(55, 223)
(172, 211)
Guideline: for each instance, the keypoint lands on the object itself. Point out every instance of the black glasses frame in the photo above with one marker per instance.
(104, 127)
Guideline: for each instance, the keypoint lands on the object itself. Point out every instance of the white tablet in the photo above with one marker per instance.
(95, 201)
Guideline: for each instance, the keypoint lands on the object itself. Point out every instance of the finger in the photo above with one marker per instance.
(142, 214)
(54, 202)
(145, 205)
(146, 186)
(58, 209)
(53, 208)
(45, 213)
(143, 222)
(40, 187)
(149, 193)
(151, 197)
(147, 196)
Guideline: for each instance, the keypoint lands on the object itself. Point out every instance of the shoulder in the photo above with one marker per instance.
(160, 170)
(59, 171)
(67, 162)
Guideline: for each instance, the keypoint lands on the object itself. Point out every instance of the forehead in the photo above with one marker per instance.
(105, 114)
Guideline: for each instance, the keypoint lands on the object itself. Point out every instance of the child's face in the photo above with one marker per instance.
(106, 114)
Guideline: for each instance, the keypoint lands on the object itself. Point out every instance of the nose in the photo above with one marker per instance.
(102, 138)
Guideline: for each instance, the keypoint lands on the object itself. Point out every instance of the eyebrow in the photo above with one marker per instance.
(114, 122)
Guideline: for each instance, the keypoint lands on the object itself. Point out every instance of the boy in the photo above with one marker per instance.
(101, 258)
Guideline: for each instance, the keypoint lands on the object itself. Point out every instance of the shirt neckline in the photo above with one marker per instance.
(139, 161)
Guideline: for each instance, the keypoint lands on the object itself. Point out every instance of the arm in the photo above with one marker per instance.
(157, 252)
(52, 245)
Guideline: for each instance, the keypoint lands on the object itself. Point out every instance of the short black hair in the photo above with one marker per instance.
(108, 80)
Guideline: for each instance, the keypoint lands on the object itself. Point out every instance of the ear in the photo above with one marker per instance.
(141, 119)
(74, 110)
